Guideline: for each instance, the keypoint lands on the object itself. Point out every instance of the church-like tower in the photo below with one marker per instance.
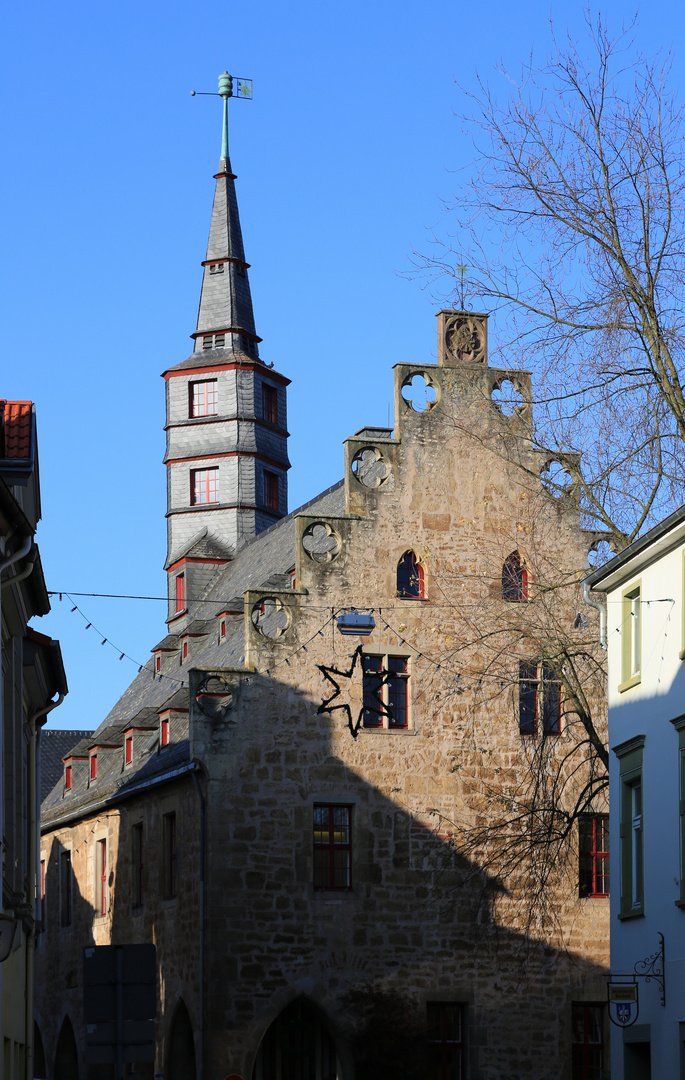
(226, 455)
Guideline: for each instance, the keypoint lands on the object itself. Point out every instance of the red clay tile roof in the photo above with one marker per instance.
(17, 428)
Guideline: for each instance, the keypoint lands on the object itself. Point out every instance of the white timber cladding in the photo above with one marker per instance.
(648, 706)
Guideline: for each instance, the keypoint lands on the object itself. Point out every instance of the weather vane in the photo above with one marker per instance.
(244, 90)
(461, 270)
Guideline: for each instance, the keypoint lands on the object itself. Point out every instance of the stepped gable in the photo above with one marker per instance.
(55, 745)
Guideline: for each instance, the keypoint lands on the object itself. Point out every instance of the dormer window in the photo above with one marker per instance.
(93, 766)
(128, 751)
(158, 662)
(180, 595)
(222, 627)
(67, 777)
(185, 648)
(164, 731)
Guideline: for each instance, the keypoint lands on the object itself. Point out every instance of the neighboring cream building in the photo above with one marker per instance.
(645, 588)
(293, 849)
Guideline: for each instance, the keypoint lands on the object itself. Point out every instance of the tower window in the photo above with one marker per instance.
(180, 593)
(204, 486)
(593, 847)
(216, 268)
(219, 341)
(270, 490)
(208, 341)
(410, 577)
(204, 398)
(514, 580)
(269, 404)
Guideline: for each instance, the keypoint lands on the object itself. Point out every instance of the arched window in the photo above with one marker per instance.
(181, 1053)
(66, 1054)
(514, 580)
(410, 576)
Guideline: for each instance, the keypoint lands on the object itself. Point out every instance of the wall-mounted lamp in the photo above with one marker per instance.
(360, 623)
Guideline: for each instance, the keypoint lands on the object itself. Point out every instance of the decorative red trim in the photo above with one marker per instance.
(75, 757)
(225, 454)
(205, 507)
(166, 713)
(251, 366)
(227, 258)
(185, 560)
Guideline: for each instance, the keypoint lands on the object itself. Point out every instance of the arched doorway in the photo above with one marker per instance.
(181, 1053)
(66, 1055)
(39, 1066)
(297, 1046)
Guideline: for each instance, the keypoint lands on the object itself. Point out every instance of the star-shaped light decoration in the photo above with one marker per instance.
(379, 680)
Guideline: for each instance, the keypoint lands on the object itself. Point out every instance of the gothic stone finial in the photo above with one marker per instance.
(462, 338)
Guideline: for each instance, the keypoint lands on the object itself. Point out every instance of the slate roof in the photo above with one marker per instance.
(267, 558)
(54, 746)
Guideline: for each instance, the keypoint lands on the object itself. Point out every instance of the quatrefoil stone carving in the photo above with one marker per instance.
(370, 468)
(321, 542)
(270, 617)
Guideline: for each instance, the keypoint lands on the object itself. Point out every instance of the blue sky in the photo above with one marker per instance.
(345, 159)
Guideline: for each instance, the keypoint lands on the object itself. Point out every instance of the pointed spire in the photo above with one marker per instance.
(225, 319)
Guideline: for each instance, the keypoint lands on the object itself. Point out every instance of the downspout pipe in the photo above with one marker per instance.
(201, 800)
(26, 572)
(602, 614)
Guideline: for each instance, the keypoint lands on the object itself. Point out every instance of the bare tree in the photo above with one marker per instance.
(573, 228)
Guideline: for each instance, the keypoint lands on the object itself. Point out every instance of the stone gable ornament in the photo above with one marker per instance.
(464, 339)
(214, 698)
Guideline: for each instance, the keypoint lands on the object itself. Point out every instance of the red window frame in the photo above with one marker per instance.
(93, 766)
(445, 1023)
(67, 777)
(539, 699)
(101, 864)
(170, 856)
(410, 577)
(271, 495)
(332, 848)
(222, 628)
(180, 596)
(128, 749)
(587, 1041)
(514, 580)
(65, 888)
(387, 678)
(137, 864)
(204, 486)
(270, 404)
(185, 648)
(42, 882)
(593, 855)
(165, 731)
(203, 398)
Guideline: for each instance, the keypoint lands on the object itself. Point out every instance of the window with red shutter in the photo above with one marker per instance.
(180, 594)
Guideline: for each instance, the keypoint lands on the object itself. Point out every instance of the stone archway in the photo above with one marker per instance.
(180, 1063)
(66, 1054)
(40, 1070)
(297, 1046)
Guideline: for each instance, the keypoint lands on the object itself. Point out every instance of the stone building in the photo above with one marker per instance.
(278, 799)
(32, 684)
